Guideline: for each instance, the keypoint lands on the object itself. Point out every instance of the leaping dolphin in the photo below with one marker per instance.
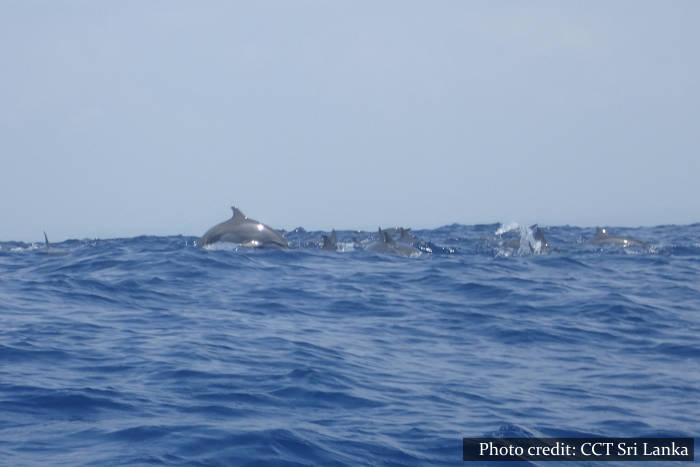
(602, 237)
(245, 231)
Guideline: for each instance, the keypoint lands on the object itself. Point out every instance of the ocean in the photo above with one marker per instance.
(153, 351)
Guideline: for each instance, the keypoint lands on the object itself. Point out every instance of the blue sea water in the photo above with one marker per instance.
(152, 351)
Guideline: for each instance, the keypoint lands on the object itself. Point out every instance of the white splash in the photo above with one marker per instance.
(222, 246)
(32, 247)
(527, 244)
(504, 228)
(345, 246)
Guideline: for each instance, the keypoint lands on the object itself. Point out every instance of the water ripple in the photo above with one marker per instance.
(149, 351)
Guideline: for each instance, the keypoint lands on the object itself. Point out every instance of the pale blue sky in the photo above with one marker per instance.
(127, 118)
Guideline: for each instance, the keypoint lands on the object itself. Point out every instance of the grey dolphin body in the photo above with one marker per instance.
(387, 245)
(405, 236)
(245, 231)
(538, 234)
(602, 237)
(330, 243)
(50, 250)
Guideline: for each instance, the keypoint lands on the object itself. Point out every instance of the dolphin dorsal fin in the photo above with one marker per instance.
(330, 242)
(382, 237)
(385, 236)
(46, 239)
(238, 214)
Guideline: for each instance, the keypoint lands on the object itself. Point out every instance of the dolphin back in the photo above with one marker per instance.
(603, 237)
(387, 245)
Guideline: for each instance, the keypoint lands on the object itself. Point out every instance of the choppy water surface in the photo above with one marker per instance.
(150, 350)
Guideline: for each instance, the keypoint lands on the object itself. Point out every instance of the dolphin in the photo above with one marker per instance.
(386, 244)
(392, 230)
(245, 231)
(405, 236)
(403, 233)
(330, 242)
(50, 250)
(537, 235)
(602, 237)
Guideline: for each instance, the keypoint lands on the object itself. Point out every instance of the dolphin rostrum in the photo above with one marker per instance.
(244, 231)
(602, 237)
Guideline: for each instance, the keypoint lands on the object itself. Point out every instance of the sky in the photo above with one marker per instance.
(132, 118)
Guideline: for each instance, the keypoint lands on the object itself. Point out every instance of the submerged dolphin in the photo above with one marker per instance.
(602, 237)
(386, 244)
(245, 231)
